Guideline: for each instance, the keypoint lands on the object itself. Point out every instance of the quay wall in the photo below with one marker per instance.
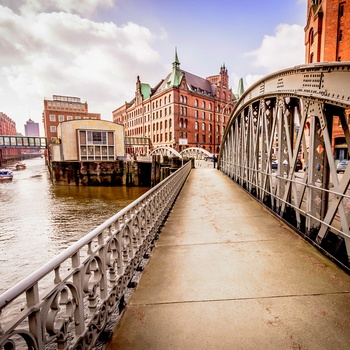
(116, 173)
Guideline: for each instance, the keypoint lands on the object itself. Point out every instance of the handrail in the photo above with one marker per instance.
(90, 278)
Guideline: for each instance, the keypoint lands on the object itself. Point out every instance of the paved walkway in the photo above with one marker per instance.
(226, 274)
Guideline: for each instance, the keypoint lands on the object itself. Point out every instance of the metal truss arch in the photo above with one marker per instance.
(296, 120)
(165, 151)
(195, 152)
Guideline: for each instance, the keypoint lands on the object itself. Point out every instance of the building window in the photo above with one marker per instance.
(340, 35)
(203, 115)
(196, 103)
(196, 114)
(311, 36)
(52, 128)
(341, 10)
(69, 117)
(210, 106)
(203, 104)
(96, 145)
(203, 126)
(196, 125)
(52, 118)
(61, 118)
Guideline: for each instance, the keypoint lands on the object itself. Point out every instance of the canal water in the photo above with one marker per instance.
(39, 220)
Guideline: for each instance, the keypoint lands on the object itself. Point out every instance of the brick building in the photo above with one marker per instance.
(183, 110)
(327, 31)
(63, 108)
(8, 128)
(327, 39)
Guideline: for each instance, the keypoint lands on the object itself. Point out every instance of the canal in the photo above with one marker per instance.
(39, 220)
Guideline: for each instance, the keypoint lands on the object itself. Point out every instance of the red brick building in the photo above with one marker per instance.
(327, 31)
(327, 39)
(183, 110)
(62, 108)
(8, 128)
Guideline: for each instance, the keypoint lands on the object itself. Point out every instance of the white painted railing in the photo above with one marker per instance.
(68, 302)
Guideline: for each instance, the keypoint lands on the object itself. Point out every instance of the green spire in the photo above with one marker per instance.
(176, 74)
(240, 88)
(176, 63)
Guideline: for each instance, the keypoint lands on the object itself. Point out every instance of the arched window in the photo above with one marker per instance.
(311, 36)
(203, 104)
(203, 126)
(196, 125)
(196, 103)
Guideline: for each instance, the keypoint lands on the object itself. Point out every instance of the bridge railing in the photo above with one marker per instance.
(292, 119)
(68, 302)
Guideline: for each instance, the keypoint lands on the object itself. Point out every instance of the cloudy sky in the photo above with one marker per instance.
(95, 49)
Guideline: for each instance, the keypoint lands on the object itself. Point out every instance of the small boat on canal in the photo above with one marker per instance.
(20, 166)
(6, 175)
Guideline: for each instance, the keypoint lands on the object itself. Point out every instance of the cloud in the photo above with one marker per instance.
(62, 53)
(284, 49)
(85, 8)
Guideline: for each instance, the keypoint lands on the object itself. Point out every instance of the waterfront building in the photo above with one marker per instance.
(327, 39)
(31, 128)
(183, 110)
(63, 108)
(88, 140)
(8, 128)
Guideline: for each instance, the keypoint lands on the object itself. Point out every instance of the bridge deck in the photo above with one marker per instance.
(226, 274)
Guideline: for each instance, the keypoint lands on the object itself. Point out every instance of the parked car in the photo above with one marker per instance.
(341, 166)
(298, 165)
(274, 164)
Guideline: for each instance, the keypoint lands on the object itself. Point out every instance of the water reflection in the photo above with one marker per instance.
(37, 220)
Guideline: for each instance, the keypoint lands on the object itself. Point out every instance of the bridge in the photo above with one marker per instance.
(243, 256)
(11, 141)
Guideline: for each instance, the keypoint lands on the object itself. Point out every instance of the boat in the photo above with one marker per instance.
(6, 175)
(20, 166)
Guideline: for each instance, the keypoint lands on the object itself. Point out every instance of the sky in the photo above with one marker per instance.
(95, 49)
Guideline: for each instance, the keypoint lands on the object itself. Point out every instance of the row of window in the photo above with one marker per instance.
(66, 105)
(61, 118)
(183, 135)
(146, 109)
(96, 145)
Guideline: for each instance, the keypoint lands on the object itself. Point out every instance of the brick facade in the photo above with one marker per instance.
(327, 31)
(62, 108)
(181, 111)
(327, 39)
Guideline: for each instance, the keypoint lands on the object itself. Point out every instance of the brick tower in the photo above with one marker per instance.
(327, 31)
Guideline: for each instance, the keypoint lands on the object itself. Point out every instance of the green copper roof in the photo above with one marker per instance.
(176, 74)
(145, 91)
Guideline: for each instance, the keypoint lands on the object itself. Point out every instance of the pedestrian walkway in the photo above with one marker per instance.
(226, 274)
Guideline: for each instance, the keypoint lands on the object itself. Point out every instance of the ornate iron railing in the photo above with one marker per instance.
(293, 117)
(68, 302)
